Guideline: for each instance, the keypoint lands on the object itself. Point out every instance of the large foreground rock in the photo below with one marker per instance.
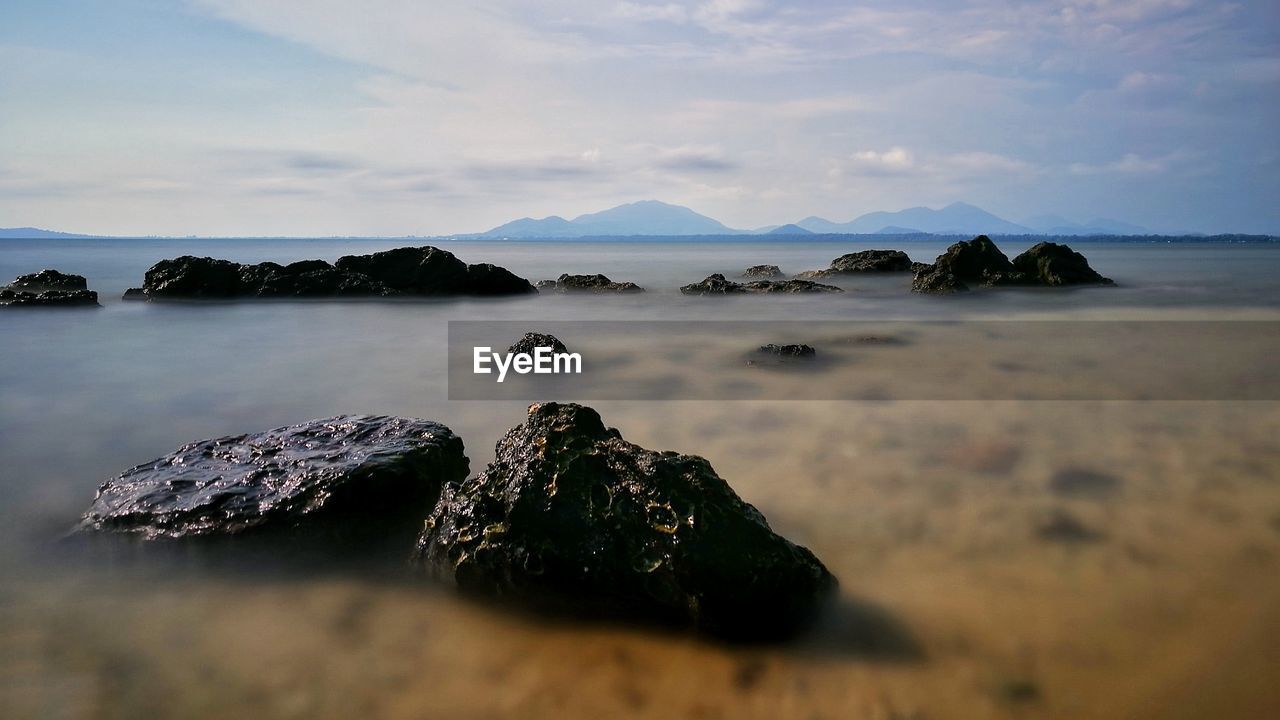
(571, 514)
(596, 283)
(980, 262)
(1053, 264)
(865, 261)
(48, 288)
(718, 285)
(403, 272)
(352, 478)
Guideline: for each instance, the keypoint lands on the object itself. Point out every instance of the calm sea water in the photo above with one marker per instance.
(942, 493)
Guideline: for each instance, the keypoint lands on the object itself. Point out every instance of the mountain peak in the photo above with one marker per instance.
(642, 217)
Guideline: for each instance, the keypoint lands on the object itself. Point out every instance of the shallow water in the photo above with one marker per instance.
(964, 592)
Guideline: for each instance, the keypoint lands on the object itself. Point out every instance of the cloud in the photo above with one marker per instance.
(1129, 164)
(695, 159)
(894, 161)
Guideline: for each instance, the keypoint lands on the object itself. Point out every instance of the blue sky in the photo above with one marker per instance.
(401, 117)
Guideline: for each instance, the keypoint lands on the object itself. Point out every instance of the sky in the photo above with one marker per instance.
(398, 117)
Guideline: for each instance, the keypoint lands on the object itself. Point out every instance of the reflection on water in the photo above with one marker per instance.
(997, 558)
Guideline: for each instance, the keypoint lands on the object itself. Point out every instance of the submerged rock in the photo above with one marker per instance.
(48, 288)
(588, 283)
(1053, 264)
(718, 285)
(865, 261)
(416, 272)
(532, 341)
(763, 271)
(350, 477)
(570, 514)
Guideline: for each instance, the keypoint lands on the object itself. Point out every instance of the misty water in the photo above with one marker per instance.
(945, 516)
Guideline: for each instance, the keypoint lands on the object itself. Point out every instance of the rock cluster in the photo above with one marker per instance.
(588, 283)
(718, 285)
(48, 288)
(980, 262)
(568, 515)
(403, 272)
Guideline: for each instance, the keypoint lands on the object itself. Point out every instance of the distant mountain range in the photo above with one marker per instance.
(35, 233)
(654, 218)
(651, 217)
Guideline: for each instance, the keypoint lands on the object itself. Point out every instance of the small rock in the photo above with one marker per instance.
(47, 280)
(134, 295)
(788, 350)
(763, 271)
(48, 288)
(1083, 483)
(1061, 526)
(532, 341)
(589, 283)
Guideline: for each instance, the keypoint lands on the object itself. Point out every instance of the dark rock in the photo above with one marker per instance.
(1082, 482)
(49, 298)
(423, 271)
(718, 285)
(350, 478)
(589, 283)
(1053, 264)
(789, 286)
(1061, 526)
(872, 261)
(763, 271)
(134, 295)
(48, 288)
(487, 280)
(935, 281)
(788, 350)
(919, 267)
(570, 515)
(713, 285)
(48, 280)
(979, 262)
(532, 341)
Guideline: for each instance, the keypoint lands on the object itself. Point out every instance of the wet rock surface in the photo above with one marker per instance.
(935, 281)
(865, 261)
(596, 283)
(718, 285)
(353, 478)
(531, 341)
(403, 272)
(570, 515)
(48, 288)
(1053, 264)
(765, 272)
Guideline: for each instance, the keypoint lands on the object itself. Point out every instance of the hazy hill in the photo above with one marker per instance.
(955, 219)
(36, 233)
(647, 217)
(790, 229)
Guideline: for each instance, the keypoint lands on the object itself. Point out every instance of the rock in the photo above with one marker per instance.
(1083, 482)
(872, 261)
(1063, 527)
(1053, 264)
(49, 298)
(350, 478)
(421, 271)
(979, 262)
(48, 280)
(532, 341)
(788, 350)
(570, 515)
(589, 283)
(718, 285)
(865, 261)
(918, 267)
(134, 295)
(763, 271)
(713, 285)
(48, 288)
(936, 281)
